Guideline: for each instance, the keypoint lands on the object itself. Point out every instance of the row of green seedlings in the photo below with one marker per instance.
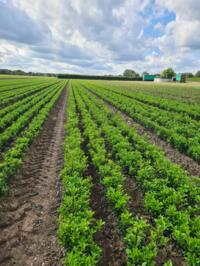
(77, 225)
(178, 121)
(9, 108)
(28, 102)
(185, 94)
(4, 83)
(141, 239)
(12, 83)
(8, 86)
(10, 93)
(14, 96)
(170, 196)
(4, 111)
(174, 105)
(23, 120)
(184, 138)
(179, 130)
(12, 159)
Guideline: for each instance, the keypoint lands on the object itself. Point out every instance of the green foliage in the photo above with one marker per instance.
(12, 158)
(130, 73)
(168, 73)
(197, 75)
(173, 121)
(77, 225)
(116, 150)
(170, 196)
(135, 230)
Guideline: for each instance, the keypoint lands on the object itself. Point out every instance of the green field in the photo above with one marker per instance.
(130, 173)
(194, 79)
(24, 106)
(4, 76)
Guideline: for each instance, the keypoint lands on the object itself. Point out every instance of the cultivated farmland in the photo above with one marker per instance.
(99, 173)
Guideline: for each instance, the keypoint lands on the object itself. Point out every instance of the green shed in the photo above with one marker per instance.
(149, 77)
(180, 77)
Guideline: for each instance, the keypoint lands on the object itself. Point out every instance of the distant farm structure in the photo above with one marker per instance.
(178, 78)
(148, 77)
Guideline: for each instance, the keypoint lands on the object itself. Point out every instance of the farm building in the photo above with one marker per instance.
(147, 77)
(178, 78)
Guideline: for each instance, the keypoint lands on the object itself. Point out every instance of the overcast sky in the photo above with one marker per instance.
(100, 36)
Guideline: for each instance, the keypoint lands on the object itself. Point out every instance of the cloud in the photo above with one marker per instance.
(183, 31)
(16, 25)
(158, 26)
(99, 36)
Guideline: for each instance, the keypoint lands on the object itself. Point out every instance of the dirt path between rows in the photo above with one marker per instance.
(28, 213)
(187, 163)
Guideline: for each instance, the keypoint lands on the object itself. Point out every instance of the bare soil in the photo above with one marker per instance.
(28, 212)
(109, 238)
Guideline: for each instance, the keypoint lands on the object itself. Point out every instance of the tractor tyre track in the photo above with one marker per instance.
(28, 212)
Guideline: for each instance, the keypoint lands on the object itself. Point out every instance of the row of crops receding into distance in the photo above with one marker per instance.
(99, 172)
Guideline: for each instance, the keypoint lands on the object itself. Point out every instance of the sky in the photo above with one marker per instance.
(100, 36)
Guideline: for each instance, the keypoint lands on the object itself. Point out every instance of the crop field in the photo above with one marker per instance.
(99, 173)
(195, 79)
(24, 105)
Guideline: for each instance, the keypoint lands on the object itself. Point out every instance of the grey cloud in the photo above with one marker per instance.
(118, 34)
(61, 52)
(92, 35)
(69, 54)
(16, 25)
(96, 21)
(183, 31)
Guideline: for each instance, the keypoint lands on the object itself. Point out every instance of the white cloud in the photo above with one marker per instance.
(185, 10)
(99, 36)
(16, 25)
(183, 31)
(158, 26)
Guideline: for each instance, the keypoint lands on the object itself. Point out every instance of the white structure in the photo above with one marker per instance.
(161, 80)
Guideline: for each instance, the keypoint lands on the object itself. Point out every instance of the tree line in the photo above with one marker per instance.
(23, 73)
(166, 73)
(127, 74)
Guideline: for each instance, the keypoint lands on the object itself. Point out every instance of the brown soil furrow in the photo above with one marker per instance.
(136, 202)
(187, 163)
(29, 209)
(109, 238)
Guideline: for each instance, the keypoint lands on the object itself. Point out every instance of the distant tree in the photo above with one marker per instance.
(129, 73)
(5, 71)
(145, 73)
(168, 73)
(197, 74)
(20, 72)
(189, 75)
